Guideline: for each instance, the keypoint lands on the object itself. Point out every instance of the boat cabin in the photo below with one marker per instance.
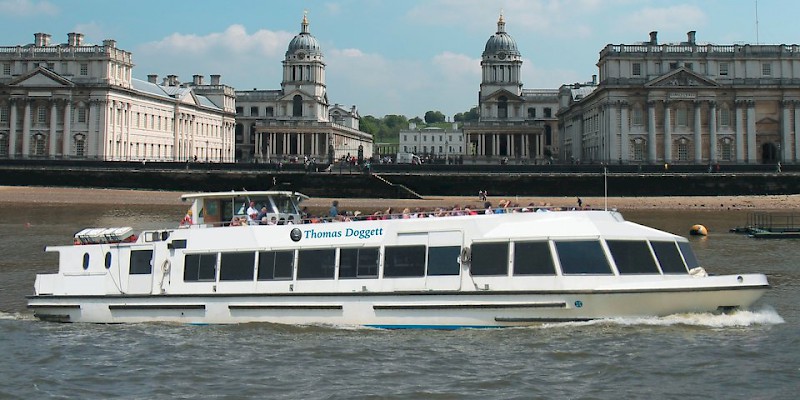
(221, 208)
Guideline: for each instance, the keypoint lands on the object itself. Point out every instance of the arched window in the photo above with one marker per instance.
(502, 107)
(39, 145)
(726, 149)
(683, 149)
(638, 149)
(297, 106)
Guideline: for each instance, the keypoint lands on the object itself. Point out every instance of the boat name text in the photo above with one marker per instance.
(349, 232)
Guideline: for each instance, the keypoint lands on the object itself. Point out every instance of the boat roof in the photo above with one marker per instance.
(245, 193)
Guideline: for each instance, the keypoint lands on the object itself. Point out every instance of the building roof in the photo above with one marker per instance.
(304, 42)
(501, 42)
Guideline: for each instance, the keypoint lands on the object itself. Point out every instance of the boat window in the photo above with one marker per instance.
(141, 262)
(669, 257)
(360, 262)
(85, 260)
(489, 259)
(443, 260)
(284, 205)
(533, 258)
(688, 255)
(582, 257)
(632, 257)
(404, 261)
(108, 260)
(200, 267)
(316, 264)
(274, 265)
(239, 266)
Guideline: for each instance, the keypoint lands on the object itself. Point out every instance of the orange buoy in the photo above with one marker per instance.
(698, 230)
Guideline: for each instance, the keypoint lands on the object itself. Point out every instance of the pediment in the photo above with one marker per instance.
(190, 98)
(289, 96)
(496, 95)
(41, 77)
(681, 77)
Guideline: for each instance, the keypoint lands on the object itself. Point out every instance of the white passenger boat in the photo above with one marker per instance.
(497, 270)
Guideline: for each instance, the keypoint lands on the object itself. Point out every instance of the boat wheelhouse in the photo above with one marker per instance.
(509, 269)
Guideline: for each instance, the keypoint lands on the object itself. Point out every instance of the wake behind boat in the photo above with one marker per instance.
(245, 257)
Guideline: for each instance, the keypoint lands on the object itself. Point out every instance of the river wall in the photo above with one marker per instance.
(402, 184)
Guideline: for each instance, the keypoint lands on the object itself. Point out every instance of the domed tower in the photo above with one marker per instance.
(501, 63)
(304, 71)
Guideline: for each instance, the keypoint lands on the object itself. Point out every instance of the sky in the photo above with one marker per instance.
(390, 56)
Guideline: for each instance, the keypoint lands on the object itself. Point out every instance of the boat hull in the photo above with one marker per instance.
(442, 310)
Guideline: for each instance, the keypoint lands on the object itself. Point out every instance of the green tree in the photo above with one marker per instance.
(432, 117)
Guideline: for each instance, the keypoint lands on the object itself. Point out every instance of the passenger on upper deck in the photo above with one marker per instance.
(252, 213)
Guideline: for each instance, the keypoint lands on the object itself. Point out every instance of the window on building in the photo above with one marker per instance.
(689, 66)
(253, 111)
(405, 138)
(270, 112)
(766, 69)
(141, 262)
(726, 149)
(200, 267)
(548, 112)
(683, 150)
(637, 117)
(80, 146)
(41, 115)
(3, 113)
(6, 69)
(638, 149)
(723, 68)
(531, 112)
(297, 106)
(239, 111)
(682, 117)
(424, 138)
(84, 69)
(502, 107)
(724, 116)
(673, 65)
(3, 145)
(636, 69)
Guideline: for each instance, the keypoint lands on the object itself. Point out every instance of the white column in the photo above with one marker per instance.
(624, 149)
(613, 153)
(67, 132)
(751, 132)
(786, 151)
(796, 132)
(667, 134)
(104, 132)
(26, 130)
(51, 151)
(91, 135)
(12, 134)
(712, 131)
(651, 132)
(739, 133)
(698, 136)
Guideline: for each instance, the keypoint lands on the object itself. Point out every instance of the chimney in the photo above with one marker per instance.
(215, 79)
(690, 36)
(78, 39)
(152, 78)
(594, 79)
(165, 81)
(654, 37)
(45, 39)
(172, 80)
(71, 39)
(110, 43)
(39, 39)
(197, 80)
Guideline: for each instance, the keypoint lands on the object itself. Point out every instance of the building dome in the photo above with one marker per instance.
(501, 43)
(304, 42)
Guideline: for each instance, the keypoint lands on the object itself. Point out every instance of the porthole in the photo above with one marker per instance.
(85, 260)
(108, 260)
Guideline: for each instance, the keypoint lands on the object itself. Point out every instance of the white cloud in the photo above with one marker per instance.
(27, 8)
(234, 40)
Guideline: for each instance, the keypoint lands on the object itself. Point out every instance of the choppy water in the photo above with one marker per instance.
(749, 354)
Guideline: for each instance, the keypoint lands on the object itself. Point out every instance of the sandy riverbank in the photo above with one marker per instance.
(45, 195)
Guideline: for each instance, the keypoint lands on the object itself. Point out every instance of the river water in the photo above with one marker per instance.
(746, 355)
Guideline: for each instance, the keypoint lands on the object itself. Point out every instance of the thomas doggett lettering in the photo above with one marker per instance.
(363, 233)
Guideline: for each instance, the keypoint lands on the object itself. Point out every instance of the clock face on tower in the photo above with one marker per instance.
(501, 56)
(301, 56)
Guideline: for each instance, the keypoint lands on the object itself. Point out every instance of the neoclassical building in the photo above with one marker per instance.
(79, 101)
(434, 142)
(515, 123)
(297, 119)
(686, 103)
